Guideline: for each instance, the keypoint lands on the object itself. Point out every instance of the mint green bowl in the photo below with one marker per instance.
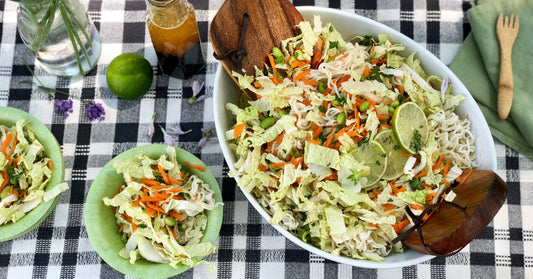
(8, 117)
(101, 223)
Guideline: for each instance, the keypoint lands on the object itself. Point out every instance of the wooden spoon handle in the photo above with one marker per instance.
(505, 86)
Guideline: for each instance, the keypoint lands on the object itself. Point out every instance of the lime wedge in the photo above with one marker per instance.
(373, 155)
(410, 127)
(395, 155)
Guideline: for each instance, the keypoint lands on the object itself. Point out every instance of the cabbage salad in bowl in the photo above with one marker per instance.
(343, 136)
(25, 173)
(161, 210)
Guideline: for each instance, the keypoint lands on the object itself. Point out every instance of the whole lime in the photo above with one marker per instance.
(129, 76)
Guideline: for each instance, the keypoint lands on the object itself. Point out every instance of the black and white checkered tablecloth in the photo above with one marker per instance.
(248, 246)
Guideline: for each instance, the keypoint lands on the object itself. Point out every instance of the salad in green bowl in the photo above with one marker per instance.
(154, 209)
(31, 172)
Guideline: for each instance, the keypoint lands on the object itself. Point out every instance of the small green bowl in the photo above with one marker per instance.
(8, 117)
(101, 222)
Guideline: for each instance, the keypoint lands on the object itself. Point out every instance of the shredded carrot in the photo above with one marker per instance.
(328, 141)
(422, 173)
(173, 233)
(446, 168)
(175, 190)
(366, 72)
(342, 57)
(302, 75)
(146, 191)
(416, 206)
(398, 227)
(343, 79)
(371, 102)
(297, 161)
(162, 196)
(192, 166)
(278, 165)
(383, 116)
(385, 126)
(151, 199)
(17, 160)
(195, 199)
(388, 206)
(373, 224)
(121, 227)
(314, 141)
(288, 58)
(50, 164)
(317, 129)
(352, 133)
(150, 211)
(149, 182)
(467, 116)
(398, 190)
(137, 201)
(237, 130)
(133, 226)
(163, 174)
(175, 181)
(6, 142)
(436, 166)
(429, 197)
(274, 71)
(466, 177)
(155, 207)
(400, 88)
(331, 177)
(405, 154)
(175, 215)
(316, 59)
(298, 63)
(280, 138)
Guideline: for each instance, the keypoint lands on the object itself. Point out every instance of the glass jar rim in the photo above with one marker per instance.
(162, 3)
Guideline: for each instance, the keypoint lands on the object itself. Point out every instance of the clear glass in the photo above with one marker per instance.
(61, 35)
(174, 33)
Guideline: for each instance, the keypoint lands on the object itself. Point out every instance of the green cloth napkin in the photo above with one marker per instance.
(478, 66)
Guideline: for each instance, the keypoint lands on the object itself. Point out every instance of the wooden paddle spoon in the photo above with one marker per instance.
(243, 33)
(450, 228)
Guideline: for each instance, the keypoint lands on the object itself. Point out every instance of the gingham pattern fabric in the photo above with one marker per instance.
(248, 246)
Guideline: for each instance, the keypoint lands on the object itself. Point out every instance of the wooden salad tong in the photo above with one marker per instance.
(453, 225)
(243, 33)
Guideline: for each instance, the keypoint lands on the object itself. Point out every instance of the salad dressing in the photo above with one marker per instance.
(174, 33)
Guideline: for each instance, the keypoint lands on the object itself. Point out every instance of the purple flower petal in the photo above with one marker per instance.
(196, 88)
(175, 129)
(202, 142)
(151, 129)
(443, 88)
(168, 138)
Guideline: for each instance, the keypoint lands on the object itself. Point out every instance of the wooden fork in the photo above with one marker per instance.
(506, 31)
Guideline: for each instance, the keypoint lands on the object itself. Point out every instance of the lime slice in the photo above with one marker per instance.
(372, 155)
(410, 127)
(395, 155)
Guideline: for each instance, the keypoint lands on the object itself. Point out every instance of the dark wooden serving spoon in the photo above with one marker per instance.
(452, 226)
(243, 33)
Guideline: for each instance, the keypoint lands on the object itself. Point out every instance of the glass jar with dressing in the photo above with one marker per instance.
(174, 33)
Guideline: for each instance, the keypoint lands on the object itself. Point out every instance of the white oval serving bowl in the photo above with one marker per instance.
(349, 24)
